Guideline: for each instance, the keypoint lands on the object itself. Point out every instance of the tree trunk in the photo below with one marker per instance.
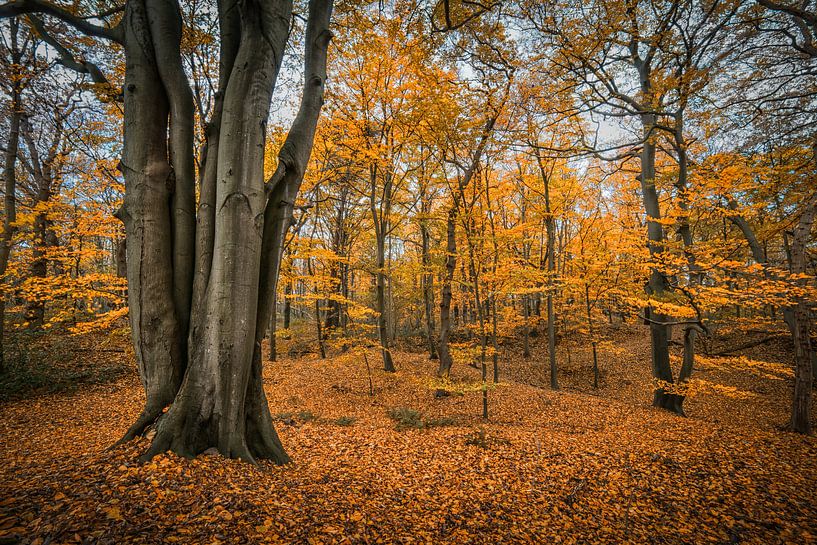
(801, 324)
(445, 298)
(427, 278)
(550, 227)
(221, 402)
(451, 249)
(591, 331)
(380, 219)
(10, 180)
(685, 232)
(656, 286)
(525, 327)
(159, 342)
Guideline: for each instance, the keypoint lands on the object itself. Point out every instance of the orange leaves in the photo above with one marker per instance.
(550, 467)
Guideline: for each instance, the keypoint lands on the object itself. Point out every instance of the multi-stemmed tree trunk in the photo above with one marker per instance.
(201, 282)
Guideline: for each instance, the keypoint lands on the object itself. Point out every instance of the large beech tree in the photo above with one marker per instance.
(202, 275)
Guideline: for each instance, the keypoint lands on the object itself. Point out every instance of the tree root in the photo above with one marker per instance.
(149, 416)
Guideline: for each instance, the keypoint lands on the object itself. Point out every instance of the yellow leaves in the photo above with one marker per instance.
(113, 513)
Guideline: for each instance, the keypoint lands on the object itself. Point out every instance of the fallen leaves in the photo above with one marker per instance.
(549, 467)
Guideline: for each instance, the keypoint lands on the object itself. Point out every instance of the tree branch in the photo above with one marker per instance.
(26, 7)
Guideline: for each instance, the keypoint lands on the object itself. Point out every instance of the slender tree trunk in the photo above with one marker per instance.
(427, 278)
(592, 333)
(380, 303)
(550, 227)
(801, 322)
(287, 305)
(472, 267)
(526, 327)
(445, 297)
(318, 328)
(657, 285)
(451, 249)
(10, 181)
(380, 218)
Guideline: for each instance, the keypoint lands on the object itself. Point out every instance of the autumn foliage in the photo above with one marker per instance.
(501, 271)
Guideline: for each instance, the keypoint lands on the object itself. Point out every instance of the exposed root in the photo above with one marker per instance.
(149, 416)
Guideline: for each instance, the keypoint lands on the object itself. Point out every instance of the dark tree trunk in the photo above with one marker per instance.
(287, 305)
(657, 284)
(427, 278)
(451, 249)
(526, 327)
(381, 212)
(445, 298)
(800, 317)
(685, 232)
(550, 227)
(10, 178)
(591, 331)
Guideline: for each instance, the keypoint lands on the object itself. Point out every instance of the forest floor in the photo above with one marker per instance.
(576, 465)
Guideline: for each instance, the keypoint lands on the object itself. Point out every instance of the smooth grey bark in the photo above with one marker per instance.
(158, 343)
(166, 32)
(10, 177)
(215, 267)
